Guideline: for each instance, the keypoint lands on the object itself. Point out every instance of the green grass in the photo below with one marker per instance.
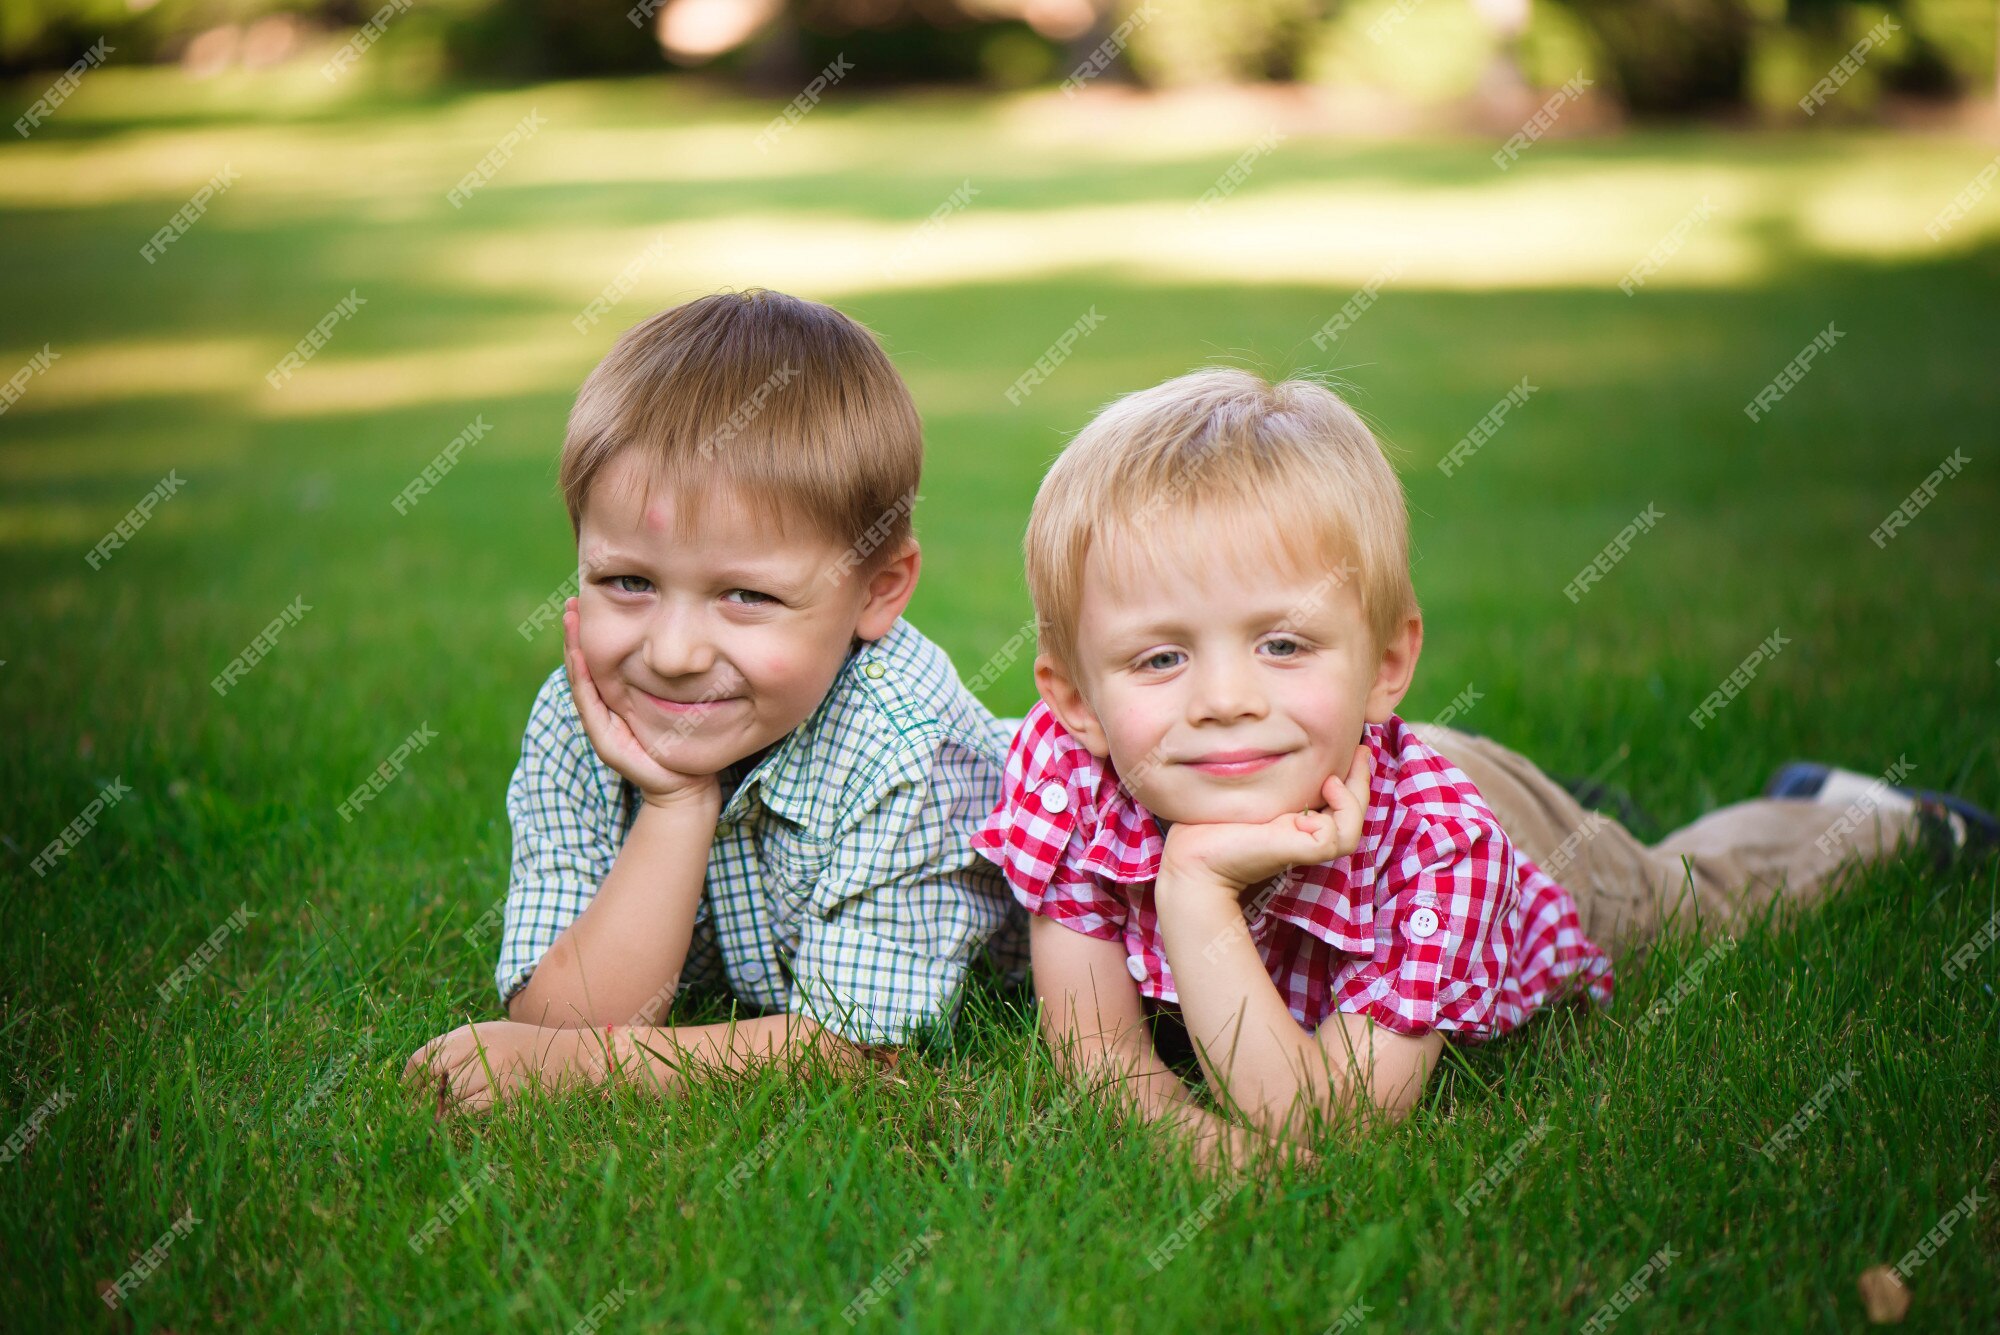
(263, 1098)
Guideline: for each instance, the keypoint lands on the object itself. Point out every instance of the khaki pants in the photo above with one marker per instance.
(1721, 871)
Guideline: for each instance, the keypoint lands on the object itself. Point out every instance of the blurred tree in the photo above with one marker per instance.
(1671, 57)
(1910, 63)
(781, 43)
(1223, 41)
(1659, 57)
(528, 39)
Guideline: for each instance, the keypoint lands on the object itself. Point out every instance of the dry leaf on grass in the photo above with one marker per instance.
(1883, 1294)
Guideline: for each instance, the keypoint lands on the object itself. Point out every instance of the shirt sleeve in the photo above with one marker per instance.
(1441, 960)
(903, 906)
(1034, 832)
(566, 821)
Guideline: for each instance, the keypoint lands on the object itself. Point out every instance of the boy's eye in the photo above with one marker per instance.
(630, 583)
(1161, 661)
(748, 598)
(1283, 648)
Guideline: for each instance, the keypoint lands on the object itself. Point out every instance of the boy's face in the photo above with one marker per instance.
(1226, 686)
(715, 633)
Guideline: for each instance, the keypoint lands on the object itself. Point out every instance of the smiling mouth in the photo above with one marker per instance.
(697, 708)
(1231, 764)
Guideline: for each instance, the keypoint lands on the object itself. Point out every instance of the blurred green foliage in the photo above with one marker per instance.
(1655, 57)
(1217, 41)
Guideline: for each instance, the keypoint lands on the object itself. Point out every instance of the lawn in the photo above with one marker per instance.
(252, 1100)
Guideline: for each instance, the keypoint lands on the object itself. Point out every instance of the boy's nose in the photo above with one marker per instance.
(678, 645)
(1224, 692)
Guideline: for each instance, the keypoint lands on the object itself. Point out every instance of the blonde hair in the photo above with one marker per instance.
(791, 403)
(1289, 463)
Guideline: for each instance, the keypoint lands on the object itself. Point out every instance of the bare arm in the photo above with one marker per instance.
(619, 962)
(1260, 1060)
(1094, 1023)
(477, 1065)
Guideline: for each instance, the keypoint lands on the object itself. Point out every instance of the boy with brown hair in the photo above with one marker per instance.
(750, 771)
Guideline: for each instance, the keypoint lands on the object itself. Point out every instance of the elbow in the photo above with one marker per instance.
(530, 1006)
(806, 1040)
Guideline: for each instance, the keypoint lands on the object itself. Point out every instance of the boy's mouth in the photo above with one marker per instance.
(701, 706)
(1229, 764)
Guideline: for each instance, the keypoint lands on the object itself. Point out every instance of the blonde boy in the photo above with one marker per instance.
(750, 772)
(1228, 839)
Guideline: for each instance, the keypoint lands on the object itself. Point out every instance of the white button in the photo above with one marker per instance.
(1136, 967)
(1423, 923)
(875, 670)
(1055, 799)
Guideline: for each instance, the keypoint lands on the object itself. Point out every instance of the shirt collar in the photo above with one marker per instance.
(1126, 839)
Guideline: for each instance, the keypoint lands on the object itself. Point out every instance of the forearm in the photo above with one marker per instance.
(1126, 1066)
(620, 960)
(1095, 1024)
(1133, 1074)
(1259, 1060)
(664, 1058)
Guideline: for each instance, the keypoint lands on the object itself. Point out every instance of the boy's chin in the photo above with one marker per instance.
(1226, 808)
(692, 757)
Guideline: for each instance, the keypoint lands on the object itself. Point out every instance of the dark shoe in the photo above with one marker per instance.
(1950, 825)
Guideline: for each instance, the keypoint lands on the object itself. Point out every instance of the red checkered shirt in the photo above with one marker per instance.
(1434, 921)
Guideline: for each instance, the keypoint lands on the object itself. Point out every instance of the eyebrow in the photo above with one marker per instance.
(1292, 617)
(772, 574)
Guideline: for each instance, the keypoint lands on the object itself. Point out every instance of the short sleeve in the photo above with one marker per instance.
(1038, 830)
(902, 906)
(1441, 952)
(566, 833)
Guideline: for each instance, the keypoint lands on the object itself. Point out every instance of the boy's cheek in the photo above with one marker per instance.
(1132, 732)
(792, 671)
(595, 641)
(612, 688)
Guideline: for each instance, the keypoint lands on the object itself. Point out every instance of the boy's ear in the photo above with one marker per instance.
(1066, 701)
(1399, 666)
(889, 592)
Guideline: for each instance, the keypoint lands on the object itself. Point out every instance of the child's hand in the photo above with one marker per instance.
(1240, 856)
(612, 737)
(476, 1066)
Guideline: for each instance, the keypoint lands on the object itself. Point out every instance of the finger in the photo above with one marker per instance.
(607, 730)
(1354, 786)
(1360, 775)
(458, 1093)
(1308, 837)
(464, 1077)
(581, 688)
(1328, 841)
(1347, 800)
(417, 1068)
(573, 665)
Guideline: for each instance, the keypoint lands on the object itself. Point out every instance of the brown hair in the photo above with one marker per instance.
(790, 403)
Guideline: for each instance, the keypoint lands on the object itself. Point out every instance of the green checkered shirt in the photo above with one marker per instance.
(841, 881)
